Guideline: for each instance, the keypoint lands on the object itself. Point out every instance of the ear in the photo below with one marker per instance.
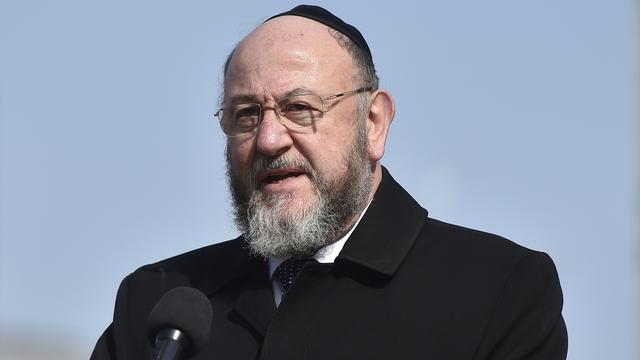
(382, 109)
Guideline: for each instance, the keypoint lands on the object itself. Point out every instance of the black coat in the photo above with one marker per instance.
(405, 286)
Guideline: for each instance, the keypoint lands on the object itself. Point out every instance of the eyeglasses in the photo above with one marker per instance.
(297, 113)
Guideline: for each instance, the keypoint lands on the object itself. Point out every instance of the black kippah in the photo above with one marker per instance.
(324, 16)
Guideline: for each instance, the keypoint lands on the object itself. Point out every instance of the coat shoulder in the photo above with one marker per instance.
(513, 292)
(460, 240)
(207, 268)
(476, 257)
(226, 252)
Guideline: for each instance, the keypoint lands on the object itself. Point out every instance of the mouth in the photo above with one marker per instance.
(276, 176)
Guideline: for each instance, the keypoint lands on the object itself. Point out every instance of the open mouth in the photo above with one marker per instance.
(276, 176)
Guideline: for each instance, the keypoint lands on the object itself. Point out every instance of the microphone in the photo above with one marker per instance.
(179, 324)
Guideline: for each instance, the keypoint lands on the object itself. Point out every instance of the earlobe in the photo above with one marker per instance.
(382, 110)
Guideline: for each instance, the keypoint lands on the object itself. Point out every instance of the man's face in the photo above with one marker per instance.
(292, 178)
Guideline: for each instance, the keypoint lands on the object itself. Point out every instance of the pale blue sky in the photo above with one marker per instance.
(514, 117)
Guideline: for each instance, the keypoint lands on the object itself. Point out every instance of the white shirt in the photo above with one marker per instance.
(327, 254)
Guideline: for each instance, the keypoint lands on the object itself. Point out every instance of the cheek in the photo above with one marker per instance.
(327, 158)
(334, 149)
(240, 157)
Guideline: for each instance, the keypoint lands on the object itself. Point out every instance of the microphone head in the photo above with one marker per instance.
(185, 309)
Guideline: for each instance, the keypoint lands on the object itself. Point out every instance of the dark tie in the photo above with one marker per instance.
(288, 270)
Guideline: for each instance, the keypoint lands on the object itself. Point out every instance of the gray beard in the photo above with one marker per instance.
(271, 231)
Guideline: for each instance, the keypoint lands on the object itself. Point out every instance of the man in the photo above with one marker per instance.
(336, 260)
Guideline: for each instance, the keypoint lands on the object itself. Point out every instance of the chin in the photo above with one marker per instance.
(291, 205)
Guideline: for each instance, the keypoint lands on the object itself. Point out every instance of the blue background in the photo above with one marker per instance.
(514, 117)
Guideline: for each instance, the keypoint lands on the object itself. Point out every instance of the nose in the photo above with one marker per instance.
(273, 138)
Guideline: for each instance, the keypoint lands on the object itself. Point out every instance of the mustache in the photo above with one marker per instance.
(263, 164)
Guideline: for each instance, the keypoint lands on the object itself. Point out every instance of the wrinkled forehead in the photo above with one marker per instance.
(289, 51)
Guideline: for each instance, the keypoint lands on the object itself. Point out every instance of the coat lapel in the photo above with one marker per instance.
(256, 304)
(387, 231)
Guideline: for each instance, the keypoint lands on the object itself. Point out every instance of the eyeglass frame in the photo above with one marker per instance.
(279, 115)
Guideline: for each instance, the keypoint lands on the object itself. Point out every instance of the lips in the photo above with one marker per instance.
(275, 176)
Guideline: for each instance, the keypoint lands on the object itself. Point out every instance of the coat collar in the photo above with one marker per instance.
(379, 243)
(387, 231)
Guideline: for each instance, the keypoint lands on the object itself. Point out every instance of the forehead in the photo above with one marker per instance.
(286, 53)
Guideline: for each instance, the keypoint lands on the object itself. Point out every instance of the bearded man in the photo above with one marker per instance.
(336, 260)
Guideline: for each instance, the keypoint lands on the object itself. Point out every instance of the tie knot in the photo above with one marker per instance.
(288, 270)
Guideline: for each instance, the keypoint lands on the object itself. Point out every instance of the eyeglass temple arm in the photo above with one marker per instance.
(352, 92)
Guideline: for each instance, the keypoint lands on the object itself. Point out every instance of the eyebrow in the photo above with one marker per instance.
(241, 99)
(254, 99)
(297, 91)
